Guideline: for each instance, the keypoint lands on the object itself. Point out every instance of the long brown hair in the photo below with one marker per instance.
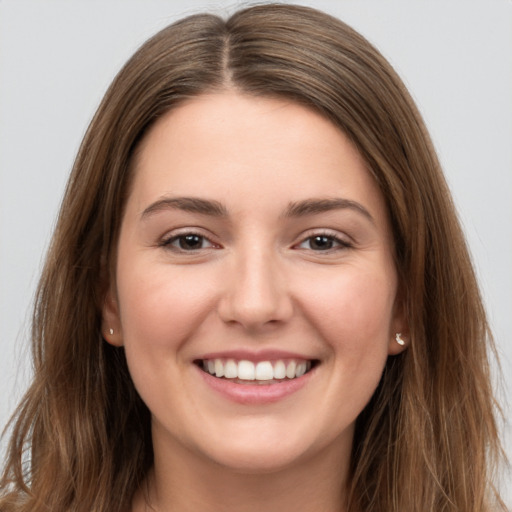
(427, 440)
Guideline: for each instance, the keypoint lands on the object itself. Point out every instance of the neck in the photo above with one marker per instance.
(182, 481)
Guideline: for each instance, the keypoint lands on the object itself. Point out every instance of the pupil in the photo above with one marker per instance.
(190, 242)
(321, 242)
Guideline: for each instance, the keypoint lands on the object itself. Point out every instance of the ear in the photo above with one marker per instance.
(399, 336)
(111, 323)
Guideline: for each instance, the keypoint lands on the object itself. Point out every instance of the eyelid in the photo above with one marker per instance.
(166, 240)
(342, 241)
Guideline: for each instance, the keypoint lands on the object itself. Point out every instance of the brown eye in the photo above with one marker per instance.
(321, 243)
(188, 242)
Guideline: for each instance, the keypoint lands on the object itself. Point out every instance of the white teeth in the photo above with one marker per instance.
(219, 368)
(261, 371)
(279, 370)
(300, 370)
(290, 369)
(246, 370)
(231, 369)
(264, 371)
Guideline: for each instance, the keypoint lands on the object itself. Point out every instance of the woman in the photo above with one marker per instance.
(257, 295)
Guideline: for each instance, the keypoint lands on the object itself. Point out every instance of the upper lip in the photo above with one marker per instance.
(255, 356)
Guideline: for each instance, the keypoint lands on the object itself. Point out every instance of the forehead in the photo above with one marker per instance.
(229, 144)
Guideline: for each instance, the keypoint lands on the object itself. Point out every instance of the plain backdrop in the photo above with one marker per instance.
(58, 57)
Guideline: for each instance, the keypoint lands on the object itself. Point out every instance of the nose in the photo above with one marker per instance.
(256, 293)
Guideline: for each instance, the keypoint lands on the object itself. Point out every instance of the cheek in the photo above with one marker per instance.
(160, 309)
(354, 312)
(355, 319)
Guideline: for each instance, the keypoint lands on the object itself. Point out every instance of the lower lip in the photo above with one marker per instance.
(255, 393)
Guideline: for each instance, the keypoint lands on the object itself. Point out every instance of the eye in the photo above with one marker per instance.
(323, 243)
(188, 242)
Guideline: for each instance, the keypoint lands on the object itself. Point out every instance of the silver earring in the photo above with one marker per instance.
(399, 339)
(111, 331)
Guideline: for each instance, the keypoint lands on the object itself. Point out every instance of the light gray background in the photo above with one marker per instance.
(58, 57)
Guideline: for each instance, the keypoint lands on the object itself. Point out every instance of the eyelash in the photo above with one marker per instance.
(336, 243)
(340, 243)
(168, 242)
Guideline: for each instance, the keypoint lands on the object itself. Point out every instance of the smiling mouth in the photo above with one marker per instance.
(262, 372)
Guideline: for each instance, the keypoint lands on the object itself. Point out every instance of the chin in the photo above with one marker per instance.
(254, 462)
(261, 452)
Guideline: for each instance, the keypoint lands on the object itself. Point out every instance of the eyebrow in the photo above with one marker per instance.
(315, 206)
(187, 204)
(216, 209)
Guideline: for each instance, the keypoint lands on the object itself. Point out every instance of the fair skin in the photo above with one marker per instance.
(253, 232)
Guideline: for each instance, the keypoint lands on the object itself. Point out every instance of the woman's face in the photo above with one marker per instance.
(254, 246)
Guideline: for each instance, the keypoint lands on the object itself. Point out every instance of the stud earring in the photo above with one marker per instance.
(399, 339)
(111, 331)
